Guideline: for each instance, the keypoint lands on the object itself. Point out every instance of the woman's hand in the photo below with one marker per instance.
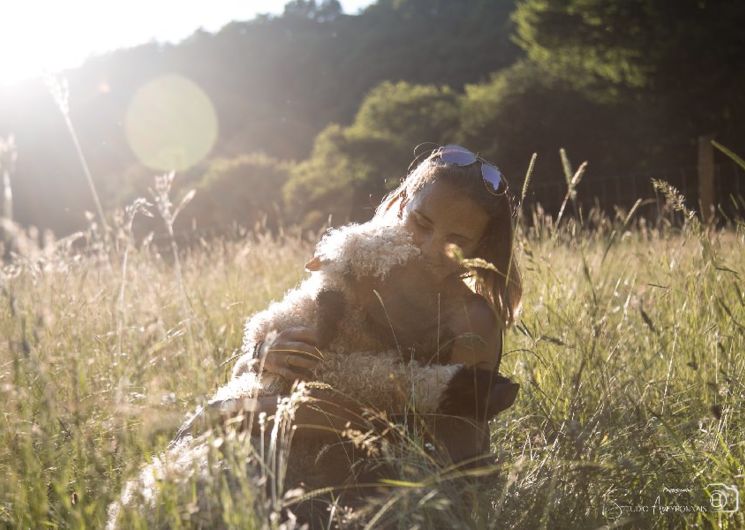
(293, 354)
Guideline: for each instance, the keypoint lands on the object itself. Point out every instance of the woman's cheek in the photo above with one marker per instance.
(432, 248)
(417, 235)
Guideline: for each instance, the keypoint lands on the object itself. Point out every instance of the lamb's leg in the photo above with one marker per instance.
(213, 414)
(331, 306)
(240, 396)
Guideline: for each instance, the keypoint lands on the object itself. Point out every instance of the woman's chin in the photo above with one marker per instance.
(439, 274)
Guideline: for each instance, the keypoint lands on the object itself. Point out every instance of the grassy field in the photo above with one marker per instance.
(630, 352)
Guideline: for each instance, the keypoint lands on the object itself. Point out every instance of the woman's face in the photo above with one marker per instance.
(438, 215)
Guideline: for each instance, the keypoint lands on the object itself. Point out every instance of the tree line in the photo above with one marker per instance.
(319, 111)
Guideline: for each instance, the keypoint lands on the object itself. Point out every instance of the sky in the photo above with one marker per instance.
(38, 36)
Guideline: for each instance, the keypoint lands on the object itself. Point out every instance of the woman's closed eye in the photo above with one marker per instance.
(422, 222)
(461, 241)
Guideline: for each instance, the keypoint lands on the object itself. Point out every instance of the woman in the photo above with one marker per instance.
(453, 197)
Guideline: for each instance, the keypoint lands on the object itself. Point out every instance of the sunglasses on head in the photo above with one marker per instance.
(459, 156)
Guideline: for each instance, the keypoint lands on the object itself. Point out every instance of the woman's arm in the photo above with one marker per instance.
(478, 337)
(477, 391)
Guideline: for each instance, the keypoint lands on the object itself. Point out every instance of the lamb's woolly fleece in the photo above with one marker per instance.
(176, 465)
(198, 481)
(369, 249)
(379, 380)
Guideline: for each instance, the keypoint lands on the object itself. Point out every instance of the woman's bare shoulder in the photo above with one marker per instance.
(477, 335)
(470, 312)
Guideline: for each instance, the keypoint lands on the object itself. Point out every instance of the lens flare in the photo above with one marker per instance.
(171, 123)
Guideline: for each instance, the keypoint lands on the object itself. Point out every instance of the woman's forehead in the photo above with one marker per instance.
(443, 204)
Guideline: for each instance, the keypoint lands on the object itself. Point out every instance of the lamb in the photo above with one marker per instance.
(348, 265)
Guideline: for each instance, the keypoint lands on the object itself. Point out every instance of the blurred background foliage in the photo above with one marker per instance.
(319, 111)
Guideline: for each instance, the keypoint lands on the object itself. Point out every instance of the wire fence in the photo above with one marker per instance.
(610, 191)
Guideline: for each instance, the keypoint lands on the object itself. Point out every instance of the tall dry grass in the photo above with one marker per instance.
(630, 352)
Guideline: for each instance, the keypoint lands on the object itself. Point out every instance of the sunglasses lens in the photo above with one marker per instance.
(492, 176)
(460, 156)
(454, 154)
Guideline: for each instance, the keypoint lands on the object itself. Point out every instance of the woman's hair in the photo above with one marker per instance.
(502, 288)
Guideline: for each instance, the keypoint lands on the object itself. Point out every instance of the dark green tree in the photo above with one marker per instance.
(683, 58)
(343, 178)
(237, 192)
(407, 114)
(525, 109)
(324, 11)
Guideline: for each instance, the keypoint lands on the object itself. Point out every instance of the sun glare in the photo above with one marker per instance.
(35, 38)
(171, 123)
(38, 36)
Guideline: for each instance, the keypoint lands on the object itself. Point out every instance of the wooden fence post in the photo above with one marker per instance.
(706, 177)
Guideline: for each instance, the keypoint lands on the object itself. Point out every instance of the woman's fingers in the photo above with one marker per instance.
(297, 334)
(295, 358)
(288, 374)
(293, 353)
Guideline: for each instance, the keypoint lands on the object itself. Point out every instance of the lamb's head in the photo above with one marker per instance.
(363, 250)
(351, 263)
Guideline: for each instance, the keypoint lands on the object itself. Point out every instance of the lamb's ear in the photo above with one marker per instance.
(501, 397)
(476, 393)
(314, 264)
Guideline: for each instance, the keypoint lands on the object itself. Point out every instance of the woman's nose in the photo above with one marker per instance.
(433, 247)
